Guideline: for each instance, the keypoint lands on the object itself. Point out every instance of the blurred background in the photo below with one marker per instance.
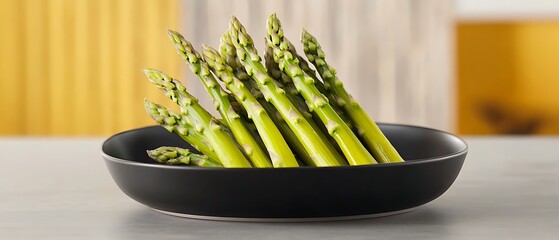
(73, 67)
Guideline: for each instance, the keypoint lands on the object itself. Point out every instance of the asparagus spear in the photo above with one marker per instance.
(285, 82)
(238, 107)
(247, 54)
(228, 53)
(175, 123)
(276, 145)
(298, 100)
(304, 65)
(248, 144)
(352, 148)
(202, 121)
(292, 92)
(180, 156)
(379, 145)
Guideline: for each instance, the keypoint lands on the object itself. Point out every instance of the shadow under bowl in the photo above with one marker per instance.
(433, 160)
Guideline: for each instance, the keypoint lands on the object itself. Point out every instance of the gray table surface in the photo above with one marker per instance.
(60, 189)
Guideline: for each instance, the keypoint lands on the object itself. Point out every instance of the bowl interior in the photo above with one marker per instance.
(413, 143)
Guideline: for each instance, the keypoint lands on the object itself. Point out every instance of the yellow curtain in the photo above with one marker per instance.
(73, 67)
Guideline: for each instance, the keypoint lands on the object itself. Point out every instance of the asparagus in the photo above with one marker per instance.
(292, 92)
(180, 156)
(247, 54)
(351, 146)
(298, 100)
(238, 107)
(247, 142)
(367, 129)
(277, 147)
(203, 122)
(303, 64)
(285, 82)
(228, 53)
(175, 123)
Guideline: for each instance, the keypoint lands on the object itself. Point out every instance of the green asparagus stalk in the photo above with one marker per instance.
(292, 92)
(175, 123)
(237, 126)
(352, 148)
(170, 155)
(203, 122)
(304, 65)
(247, 54)
(240, 109)
(367, 129)
(270, 134)
(228, 53)
(298, 100)
(180, 156)
(275, 72)
(288, 134)
(285, 82)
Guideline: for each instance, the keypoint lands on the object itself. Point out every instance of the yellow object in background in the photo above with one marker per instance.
(508, 78)
(73, 67)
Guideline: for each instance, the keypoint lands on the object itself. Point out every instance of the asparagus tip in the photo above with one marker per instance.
(305, 34)
(147, 70)
(234, 23)
(206, 47)
(172, 32)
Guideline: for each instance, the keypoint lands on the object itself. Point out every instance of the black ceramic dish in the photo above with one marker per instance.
(433, 161)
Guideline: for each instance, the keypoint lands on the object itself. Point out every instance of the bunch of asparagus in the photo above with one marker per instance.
(280, 113)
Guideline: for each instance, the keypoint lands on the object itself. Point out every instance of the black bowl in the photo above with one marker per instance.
(433, 161)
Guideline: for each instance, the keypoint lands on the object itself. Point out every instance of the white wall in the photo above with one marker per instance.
(506, 10)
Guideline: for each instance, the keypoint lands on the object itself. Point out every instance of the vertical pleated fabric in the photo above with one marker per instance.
(73, 67)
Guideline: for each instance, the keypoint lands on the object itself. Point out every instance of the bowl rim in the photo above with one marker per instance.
(108, 157)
